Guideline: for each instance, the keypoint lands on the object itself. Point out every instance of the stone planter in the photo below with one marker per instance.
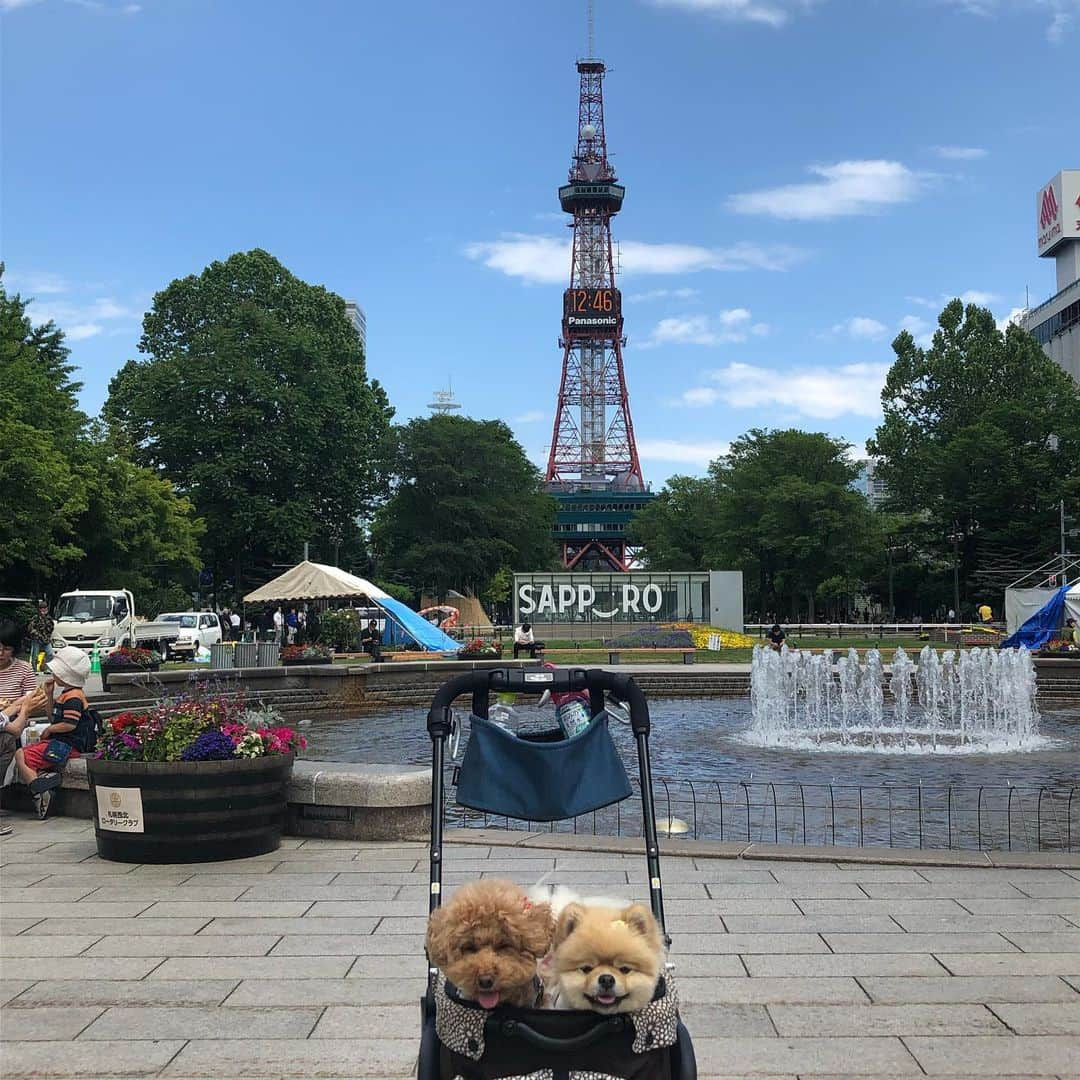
(188, 811)
(300, 660)
(123, 669)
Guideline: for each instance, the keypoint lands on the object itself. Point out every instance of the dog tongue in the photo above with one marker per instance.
(488, 999)
(605, 999)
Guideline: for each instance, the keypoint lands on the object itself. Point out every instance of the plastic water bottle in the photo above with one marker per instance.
(502, 715)
(573, 717)
(95, 661)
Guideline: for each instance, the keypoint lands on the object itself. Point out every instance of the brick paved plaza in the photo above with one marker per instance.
(308, 962)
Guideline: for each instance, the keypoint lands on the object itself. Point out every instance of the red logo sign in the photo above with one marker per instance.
(1048, 208)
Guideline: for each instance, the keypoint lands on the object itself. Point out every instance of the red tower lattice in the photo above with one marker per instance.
(592, 446)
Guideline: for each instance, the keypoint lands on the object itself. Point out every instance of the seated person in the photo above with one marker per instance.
(1071, 636)
(777, 637)
(20, 697)
(72, 723)
(371, 640)
(524, 639)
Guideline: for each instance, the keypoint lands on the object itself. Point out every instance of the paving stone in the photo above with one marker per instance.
(367, 1022)
(127, 992)
(83, 967)
(211, 909)
(285, 968)
(34, 1060)
(991, 874)
(845, 1021)
(45, 1023)
(127, 927)
(800, 875)
(994, 1055)
(17, 926)
(44, 894)
(327, 945)
(1073, 981)
(195, 1022)
(12, 988)
(245, 881)
(990, 924)
(1043, 1019)
(696, 924)
(151, 893)
(943, 890)
(397, 967)
(25, 945)
(727, 1019)
(831, 965)
(537, 865)
(892, 906)
(1065, 887)
(970, 988)
(33, 910)
(379, 898)
(811, 924)
(871, 1056)
(767, 991)
(828, 890)
(1025, 906)
(922, 943)
(67, 869)
(415, 924)
(153, 945)
(296, 1058)
(354, 873)
(259, 925)
(1011, 963)
(1046, 943)
(302, 991)
(91, 882)
(748, 943)
(705, 906)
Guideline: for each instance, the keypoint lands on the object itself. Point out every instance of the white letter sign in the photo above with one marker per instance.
(119, 809)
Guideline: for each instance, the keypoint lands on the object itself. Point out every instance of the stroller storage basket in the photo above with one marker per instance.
(545, 778)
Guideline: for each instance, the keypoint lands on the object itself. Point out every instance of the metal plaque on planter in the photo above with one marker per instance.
(120, 809)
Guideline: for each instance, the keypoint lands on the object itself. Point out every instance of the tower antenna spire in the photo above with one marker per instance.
(590, 23)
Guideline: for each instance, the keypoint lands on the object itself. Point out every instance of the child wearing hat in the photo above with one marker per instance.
(71, 723)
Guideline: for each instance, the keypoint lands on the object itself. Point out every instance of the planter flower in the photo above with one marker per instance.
(196, 779)
(480, 649)
(307, 654)
(128, 659)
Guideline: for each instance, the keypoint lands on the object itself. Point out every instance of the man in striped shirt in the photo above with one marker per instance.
(17, 682)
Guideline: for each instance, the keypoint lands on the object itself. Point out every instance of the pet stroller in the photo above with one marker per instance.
(545, 777)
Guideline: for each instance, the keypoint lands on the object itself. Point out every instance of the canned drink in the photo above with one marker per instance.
(573, 717)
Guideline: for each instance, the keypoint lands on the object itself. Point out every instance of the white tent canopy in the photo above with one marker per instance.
(315, 581)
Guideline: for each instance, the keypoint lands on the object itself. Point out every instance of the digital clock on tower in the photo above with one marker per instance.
(592, 309)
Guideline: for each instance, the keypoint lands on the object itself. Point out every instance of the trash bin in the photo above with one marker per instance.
(245, 654)
(269, 652)
(221, 656)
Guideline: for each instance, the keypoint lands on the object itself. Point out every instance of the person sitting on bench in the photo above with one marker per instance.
(524, 639)
(371, 640)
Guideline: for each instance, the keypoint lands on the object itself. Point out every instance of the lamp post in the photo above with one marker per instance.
(956, 536)
(892, 606)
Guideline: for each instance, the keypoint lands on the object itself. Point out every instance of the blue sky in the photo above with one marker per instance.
(804, 178)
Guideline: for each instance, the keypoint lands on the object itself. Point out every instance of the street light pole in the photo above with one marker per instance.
(892, 606)
(956, 536)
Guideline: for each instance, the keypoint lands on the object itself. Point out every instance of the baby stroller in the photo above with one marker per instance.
(545, 777)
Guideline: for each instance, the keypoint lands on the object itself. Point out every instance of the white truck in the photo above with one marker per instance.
(179, 634)
(89, 617)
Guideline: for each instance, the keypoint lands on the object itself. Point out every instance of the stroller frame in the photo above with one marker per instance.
(598, 683)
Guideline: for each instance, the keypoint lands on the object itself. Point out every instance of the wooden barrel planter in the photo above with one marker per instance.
(188, 811)
(124, 669)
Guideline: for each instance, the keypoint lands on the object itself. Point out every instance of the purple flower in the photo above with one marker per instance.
(211, 745)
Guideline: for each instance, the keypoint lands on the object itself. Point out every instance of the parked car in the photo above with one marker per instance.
(89, 617)
(178, 635)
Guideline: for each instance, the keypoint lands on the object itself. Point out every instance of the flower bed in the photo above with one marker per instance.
(307, 654)
(652, 637)
(480, 649)
(126, 658)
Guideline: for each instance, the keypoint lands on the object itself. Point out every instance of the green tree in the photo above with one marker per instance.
(467, 502)
(980, 440)
(780, 507)
(254, 401)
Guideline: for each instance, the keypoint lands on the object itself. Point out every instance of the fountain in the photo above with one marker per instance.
(978, 701)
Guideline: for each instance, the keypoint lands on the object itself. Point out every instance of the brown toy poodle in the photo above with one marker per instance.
(487, 940)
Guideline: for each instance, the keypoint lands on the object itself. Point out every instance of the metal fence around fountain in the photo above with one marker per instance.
(955, 817)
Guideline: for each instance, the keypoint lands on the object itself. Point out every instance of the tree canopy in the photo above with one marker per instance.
(980, 440)
(780, 507)
(254, 401)
(468, 502)
(78, 510)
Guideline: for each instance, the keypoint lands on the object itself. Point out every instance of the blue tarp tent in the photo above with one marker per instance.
(1043, 625)
(425, 634)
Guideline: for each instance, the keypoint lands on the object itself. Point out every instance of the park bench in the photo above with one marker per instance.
(614, 655)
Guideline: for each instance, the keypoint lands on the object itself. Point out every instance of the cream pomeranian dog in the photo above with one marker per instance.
(607, 959)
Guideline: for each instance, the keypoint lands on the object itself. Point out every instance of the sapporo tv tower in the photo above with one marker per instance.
(593, 467)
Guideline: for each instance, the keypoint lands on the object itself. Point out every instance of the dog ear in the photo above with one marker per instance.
(568, 921)
(439, 934)
(640, 919)
(538, 929)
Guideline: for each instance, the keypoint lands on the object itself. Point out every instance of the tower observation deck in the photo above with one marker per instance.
(593, 467)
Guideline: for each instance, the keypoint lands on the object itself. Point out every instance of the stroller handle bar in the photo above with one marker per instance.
(483, 682)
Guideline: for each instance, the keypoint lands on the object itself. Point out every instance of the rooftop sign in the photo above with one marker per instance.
(1057, 211)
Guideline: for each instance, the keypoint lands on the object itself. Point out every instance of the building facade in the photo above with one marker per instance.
(1056, 323)
(355, 314)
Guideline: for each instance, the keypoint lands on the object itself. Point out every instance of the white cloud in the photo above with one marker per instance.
(979, 297)
(729, 327)
(844, 189)
(773, 13)
(532, 416)
(1061, 12)
(861, 327)
(546, 259)
(100, 8)
(822, 392)
(81, 331)
(35, 282)
(921, 330)
(11, 5)
(1007, 320)
(662, 294)
(687, 453)
(960, 153)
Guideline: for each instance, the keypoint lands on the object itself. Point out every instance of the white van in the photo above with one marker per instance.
(101, 617)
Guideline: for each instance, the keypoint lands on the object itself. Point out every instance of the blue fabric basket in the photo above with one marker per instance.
(543, 777)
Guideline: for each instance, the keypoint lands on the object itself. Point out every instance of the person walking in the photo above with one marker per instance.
(40, 631)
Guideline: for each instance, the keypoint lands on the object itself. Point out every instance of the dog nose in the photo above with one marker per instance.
(486, 982)
(606, 982)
